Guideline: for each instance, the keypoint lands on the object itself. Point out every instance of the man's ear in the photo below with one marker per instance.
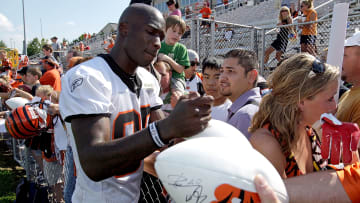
(123, 29)
(252, 75)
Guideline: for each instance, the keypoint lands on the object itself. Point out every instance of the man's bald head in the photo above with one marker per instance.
(140, 32)
(139, 11)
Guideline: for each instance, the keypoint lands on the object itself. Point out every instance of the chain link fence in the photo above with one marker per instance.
(215, 38)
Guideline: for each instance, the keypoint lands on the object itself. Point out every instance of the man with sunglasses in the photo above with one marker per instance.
(193, 79)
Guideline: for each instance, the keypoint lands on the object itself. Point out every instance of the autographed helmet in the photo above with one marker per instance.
(28, 121)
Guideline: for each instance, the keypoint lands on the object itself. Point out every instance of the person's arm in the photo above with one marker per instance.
(177, 67)
(323, 186)
(101, 157)
(264, 142)
(23, 94)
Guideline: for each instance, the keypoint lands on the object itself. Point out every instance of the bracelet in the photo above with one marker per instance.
(155, 135)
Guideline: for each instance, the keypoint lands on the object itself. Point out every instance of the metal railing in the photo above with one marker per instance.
(215, 38)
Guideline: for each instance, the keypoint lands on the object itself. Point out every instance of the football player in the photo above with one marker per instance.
(109, 106)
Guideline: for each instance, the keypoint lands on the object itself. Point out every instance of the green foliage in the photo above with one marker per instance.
(7, 192)
(43, 42)
(2, 44)
(34, 47)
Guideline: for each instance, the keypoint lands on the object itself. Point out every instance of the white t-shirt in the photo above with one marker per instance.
(221, 112)
(192, 84)
(98, 86)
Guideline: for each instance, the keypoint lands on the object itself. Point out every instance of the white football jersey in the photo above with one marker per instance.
(99, 86)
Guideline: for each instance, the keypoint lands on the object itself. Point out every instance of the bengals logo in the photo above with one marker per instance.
(225, 193)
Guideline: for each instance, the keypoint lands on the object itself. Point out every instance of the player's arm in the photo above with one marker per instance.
(177, 67)
(102, 158)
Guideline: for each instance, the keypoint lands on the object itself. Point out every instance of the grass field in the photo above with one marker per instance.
(10, 174)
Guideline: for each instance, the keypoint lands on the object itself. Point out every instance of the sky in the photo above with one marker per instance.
(65, 18)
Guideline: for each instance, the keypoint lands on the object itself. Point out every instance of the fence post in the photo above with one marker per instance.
(193, 34)
(198, 36)
(252, 40)
(212, 51)
(262, 51)
(27, 163)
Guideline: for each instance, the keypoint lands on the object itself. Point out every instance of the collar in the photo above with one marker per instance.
(190, 79)
(133, 82)
(253, 94)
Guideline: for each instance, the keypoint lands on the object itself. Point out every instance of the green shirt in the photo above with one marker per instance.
(179, 54)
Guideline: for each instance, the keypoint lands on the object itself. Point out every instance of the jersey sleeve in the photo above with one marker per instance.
(350, 177)
(84, 93)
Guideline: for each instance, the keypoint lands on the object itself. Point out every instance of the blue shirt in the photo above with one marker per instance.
(239, 115)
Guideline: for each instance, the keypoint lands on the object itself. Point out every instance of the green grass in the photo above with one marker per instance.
(10, 174)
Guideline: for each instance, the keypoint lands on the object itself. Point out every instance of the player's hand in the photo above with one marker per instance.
(189, 117)
(265, 192)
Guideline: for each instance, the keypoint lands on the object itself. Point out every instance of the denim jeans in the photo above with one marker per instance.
(70, 178)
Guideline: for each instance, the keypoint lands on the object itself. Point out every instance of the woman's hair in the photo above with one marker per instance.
(294, 80)
(284, 8)
(309, 3)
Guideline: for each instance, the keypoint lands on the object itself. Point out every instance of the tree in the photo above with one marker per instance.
(2, 44)
(43, 42)
(34, 47)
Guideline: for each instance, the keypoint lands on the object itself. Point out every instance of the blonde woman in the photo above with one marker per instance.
(282, 38)
(309, 31)
(303, 88)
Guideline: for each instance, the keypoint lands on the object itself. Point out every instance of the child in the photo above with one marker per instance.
(175, 53)
(53, 169)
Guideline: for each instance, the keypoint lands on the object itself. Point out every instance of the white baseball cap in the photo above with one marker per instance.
(353, 41)
(193, 56)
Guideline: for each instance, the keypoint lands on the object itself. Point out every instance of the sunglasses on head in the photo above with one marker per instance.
(194, 63)
(318, 66)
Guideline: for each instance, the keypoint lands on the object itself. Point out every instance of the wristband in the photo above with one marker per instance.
(155, 135)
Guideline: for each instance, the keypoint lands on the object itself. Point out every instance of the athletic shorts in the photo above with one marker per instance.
(308, 39)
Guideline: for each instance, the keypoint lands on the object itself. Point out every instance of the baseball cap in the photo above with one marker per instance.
(353, 41)
(193, 56)
(23, 70)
